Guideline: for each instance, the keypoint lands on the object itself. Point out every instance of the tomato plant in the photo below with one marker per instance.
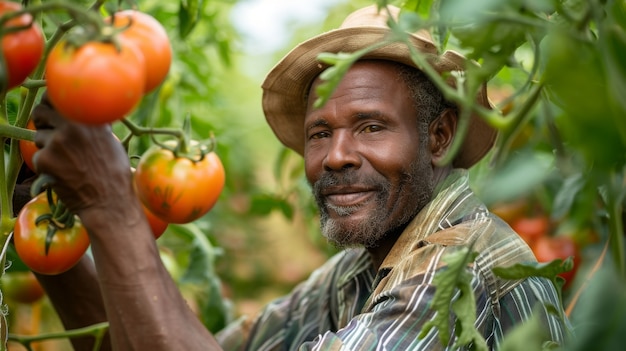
(549, 248)
(149, 36)
(28, 148)
(44, 246)
(95, 83)
(23, 48)
(178, 189)
(22, 287)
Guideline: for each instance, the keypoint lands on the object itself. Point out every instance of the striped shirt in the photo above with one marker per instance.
(347, 305)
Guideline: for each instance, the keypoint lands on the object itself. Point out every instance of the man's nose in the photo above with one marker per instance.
(342, 152)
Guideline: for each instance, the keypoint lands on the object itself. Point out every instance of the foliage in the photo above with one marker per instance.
(454, 293)
(557, 65)
(557, 80)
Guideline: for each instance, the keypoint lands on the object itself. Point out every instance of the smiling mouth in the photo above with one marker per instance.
(349, 199)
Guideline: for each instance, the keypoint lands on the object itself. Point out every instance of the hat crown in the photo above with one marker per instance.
(286, 87)
(372, 16)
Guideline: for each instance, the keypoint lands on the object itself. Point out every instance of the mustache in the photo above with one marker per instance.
(346, 178)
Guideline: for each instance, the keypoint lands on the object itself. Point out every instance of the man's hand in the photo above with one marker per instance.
(89, 166)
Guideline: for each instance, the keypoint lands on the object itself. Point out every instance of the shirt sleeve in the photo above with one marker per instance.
(397, 316)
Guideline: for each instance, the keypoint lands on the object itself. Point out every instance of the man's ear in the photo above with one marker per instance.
(441, 132)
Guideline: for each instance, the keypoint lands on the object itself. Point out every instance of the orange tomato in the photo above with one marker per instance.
(95, 83)
(178, 189)
(157, 225)
(22, 49)
(66, 246)
(149, 36)
(28, 148)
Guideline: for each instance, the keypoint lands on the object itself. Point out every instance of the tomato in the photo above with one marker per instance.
(510, 211)
(28, 148)
(95, 83)
(532, 228)
(22, 287)
(149, 36)
(67, 247)
(177, 189)
(549, 248)
(23, 49)
(157, 225)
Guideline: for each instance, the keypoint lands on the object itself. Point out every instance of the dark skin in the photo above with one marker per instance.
(368, 126)
(128, 285)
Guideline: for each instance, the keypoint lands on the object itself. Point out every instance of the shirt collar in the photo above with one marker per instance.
(438, 214)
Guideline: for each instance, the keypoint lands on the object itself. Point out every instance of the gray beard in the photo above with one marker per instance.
(417, 181)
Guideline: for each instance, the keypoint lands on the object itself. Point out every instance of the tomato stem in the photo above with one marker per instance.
(137, 130)
(96, 330)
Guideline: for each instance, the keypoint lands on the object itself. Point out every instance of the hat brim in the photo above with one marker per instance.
(286, 86)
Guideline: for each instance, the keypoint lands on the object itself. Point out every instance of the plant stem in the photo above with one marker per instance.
(93, 330)
(615, 197)
(138, 130)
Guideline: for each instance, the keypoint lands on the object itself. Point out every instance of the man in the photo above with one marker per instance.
(372, 155)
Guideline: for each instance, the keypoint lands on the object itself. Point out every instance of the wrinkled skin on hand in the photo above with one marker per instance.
(89, 165)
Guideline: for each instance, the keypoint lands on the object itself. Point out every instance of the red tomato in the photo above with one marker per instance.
(532, 228)
(67, 247)
(95, 83)
(549, 248)
(22, 287)
(23, 49)
(149, 36)
(28, 148)
(177, 189)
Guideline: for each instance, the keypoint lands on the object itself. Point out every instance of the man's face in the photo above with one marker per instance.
(363, 157)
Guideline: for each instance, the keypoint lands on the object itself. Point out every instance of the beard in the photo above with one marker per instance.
(412, 193)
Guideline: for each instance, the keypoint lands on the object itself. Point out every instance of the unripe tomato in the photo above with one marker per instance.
(95, 83)
(22, 287)
(28, 148)
(177, 189)
(149, 36)
(66, 249)
(23, 49)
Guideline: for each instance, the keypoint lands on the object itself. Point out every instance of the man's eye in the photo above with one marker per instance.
(372, 128)
(319, 135)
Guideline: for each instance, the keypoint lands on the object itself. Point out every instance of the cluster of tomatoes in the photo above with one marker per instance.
(100, 81)
(537, 231)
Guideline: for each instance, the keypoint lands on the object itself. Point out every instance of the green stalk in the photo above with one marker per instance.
(615, 197)
(96, 330)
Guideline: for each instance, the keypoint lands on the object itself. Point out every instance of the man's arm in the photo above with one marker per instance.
(75, 294)
(92, 176)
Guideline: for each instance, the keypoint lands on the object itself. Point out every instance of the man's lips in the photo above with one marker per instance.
(347, 196)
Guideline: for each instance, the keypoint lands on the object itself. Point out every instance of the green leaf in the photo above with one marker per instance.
(200, 276)
(189, 14)
(465, 309)
(548, 270)
(529, 335)
(455, 277)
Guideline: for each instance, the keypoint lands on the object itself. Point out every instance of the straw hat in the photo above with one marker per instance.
(286, 86)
